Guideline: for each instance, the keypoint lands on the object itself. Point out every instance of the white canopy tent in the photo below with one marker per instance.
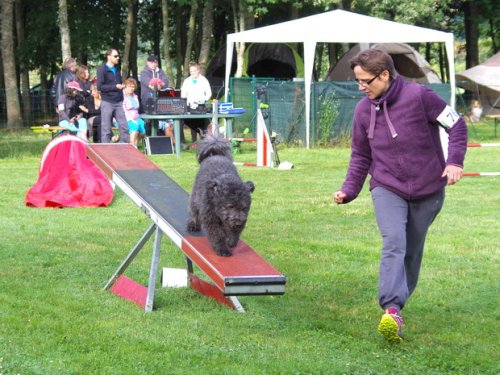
(338, 26)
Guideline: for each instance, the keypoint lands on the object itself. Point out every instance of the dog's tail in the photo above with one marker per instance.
(211, 145)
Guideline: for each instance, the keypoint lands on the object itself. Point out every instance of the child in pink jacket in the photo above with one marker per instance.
(131, 108)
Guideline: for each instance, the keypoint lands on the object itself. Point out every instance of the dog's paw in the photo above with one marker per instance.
(192, 227)
(224, 252)
(232, 243)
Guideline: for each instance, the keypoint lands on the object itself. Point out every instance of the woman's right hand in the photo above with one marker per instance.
(339, 196)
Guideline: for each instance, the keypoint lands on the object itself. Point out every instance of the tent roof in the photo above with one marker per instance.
(485, 74)
(484, 81)
(410, 64)
(339, 26)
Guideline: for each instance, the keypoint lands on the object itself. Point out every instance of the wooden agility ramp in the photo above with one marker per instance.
(166, 204)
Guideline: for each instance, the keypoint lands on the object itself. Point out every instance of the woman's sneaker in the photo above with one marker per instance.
(391, 325)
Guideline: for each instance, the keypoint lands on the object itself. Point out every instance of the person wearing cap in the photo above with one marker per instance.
(70, 109)
(396, 139)
(110, 84)
(150, 71)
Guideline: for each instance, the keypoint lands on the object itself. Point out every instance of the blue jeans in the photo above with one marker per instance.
(403, 225)
(108, 111)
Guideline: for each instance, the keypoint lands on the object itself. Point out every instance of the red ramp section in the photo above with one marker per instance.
(166, 204)
(243, 273)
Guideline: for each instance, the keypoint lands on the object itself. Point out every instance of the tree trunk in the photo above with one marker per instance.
(14, 120)
(320, 49)
(493, 35)
(166, 44)
(441, 65)
(206, 39)
(471, 34)
(446, 65)
(2, 82)
(190, 37)
(44, 90)
(129, 32)
(293, 14)
(134, 72)
(23, 69)
(335, 52)
(179, 44)
(240, 15)
(64, 29)
(156, 19)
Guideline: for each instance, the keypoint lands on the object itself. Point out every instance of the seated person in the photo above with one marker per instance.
(166, 128)
(70, 111)
(131, 107)
(476, 111)
(92, 112)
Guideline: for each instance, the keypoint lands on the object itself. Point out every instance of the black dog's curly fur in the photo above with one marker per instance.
(220, 200)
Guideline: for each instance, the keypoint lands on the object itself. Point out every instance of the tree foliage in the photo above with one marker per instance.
(96, 25)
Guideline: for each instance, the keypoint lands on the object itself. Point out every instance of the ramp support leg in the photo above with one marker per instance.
(155, 260)
(189, 265)
(130, 257)
(211, 291)
(236, 304)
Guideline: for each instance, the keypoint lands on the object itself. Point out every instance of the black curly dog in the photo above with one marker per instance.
(220, 200)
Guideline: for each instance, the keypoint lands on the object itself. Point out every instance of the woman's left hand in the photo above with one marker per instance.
(453, 173)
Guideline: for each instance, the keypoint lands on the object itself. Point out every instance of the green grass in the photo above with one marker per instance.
(56, 319)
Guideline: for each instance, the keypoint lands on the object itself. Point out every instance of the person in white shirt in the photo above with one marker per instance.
(196, 89)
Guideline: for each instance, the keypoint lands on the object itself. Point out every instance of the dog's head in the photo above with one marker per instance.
(211, 145)
(231, 200)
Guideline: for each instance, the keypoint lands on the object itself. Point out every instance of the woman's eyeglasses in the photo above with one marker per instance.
(364, 82)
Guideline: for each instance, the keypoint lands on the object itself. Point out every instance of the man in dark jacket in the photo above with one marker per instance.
(109, 83)
(150, 71)
(396, 139)
(63, 78)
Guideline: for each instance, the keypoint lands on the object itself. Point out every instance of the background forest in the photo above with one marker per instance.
(37, 35)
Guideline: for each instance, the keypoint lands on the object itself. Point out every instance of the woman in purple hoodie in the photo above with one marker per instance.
(395, 139)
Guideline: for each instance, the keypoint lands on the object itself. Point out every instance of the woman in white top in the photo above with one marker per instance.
(197, 91)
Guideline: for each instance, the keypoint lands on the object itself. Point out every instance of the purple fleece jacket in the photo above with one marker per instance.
(395, 139)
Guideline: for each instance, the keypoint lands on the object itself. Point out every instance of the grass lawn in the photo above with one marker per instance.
(56, 319)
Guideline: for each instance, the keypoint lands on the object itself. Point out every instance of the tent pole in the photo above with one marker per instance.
(229, 60)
